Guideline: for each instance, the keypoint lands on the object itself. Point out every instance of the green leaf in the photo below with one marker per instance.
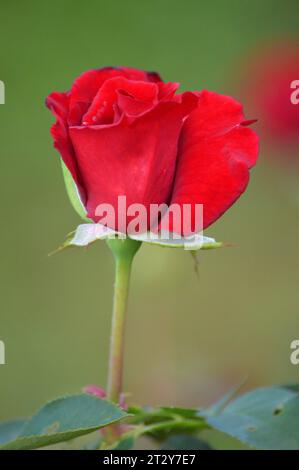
(94, 444)
(184, 442)
(265, 418)
(217, 407)
(64, 419)
(73, 193)
(10, 430)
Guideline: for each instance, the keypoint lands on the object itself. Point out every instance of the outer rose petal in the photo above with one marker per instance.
(58, 103)
(133, 158)
(215, 154)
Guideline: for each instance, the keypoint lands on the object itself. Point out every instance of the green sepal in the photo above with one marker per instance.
(86, 234)
(73, 193)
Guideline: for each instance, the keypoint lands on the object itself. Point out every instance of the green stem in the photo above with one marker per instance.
(123, 251)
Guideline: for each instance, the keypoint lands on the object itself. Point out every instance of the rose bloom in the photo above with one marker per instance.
(123, 131)
(269, 83)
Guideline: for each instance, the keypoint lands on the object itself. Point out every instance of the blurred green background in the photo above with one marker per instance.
(188, 339)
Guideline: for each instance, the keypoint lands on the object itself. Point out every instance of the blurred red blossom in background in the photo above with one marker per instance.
(271, 86)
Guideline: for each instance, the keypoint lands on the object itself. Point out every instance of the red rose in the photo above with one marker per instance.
(122, 131)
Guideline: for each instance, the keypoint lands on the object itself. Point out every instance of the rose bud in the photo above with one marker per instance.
(123, 131)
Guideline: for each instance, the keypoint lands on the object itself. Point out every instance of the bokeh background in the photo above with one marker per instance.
(189, 339)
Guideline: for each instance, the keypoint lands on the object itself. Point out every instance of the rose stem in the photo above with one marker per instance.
(123, 251)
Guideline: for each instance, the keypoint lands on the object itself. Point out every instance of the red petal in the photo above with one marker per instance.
(167, 90)
(136, 160)
(84, 89)
(215, 153)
